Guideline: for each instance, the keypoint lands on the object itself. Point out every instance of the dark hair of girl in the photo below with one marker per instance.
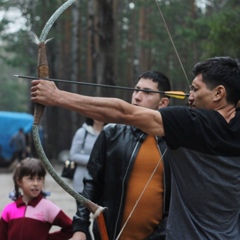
(27, 167)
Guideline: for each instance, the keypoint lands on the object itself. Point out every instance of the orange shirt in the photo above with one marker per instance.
(149, 210)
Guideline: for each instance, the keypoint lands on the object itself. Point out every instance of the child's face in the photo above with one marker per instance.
(31, 187)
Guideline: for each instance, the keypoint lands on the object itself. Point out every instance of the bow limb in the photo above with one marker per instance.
(92, 207)
(43, 72)
(86, 202)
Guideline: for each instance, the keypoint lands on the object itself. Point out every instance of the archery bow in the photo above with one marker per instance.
(43, 72)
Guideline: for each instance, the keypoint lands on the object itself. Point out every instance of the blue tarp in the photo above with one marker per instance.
(10, 122)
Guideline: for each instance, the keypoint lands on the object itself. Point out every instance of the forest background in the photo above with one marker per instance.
(108, 42)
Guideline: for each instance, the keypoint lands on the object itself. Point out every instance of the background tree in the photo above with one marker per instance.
(110, 42)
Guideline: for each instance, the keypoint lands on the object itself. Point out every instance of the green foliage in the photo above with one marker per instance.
(14, 92)
(197, 34)
(224, 33)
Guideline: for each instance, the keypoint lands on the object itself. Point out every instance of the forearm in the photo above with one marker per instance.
(113, 110)
(65, 225)
(103, 109)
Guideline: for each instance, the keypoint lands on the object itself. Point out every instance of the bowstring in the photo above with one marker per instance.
(155, 169)
(171, 39)
(140, 196)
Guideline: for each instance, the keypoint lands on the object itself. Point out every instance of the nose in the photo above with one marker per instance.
(35, 181)
(190, 95)
(190, 98)
(137, 96)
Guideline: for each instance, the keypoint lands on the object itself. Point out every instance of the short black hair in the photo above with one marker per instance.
(160, 78)
(221, 71)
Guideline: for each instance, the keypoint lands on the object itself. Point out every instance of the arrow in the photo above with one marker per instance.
(174, 94)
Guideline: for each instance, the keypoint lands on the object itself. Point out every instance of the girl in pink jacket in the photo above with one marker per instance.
(31, 216)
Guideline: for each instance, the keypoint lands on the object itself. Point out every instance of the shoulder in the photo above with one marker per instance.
(174, 110)
(113, 128)
(9, 210)
(87, 129)
(10, 206)
(50, 208)
(46, 203)
(112, 133)
(79, 134)
(81, 130)
(182, 112)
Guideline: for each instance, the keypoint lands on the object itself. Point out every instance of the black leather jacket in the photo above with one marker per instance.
(107, 176)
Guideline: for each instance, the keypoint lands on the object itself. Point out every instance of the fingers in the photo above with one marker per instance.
(40, 91)
(45, 92)
(34, 90)
(35, 82)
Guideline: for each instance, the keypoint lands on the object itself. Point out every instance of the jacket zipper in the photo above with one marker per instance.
(114, 236)
(121, 201)
(164, 180)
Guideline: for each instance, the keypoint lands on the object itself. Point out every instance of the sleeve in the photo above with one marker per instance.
(181, 125)
(92, 183)
(76, 155)
(65, 223)
(3, 229)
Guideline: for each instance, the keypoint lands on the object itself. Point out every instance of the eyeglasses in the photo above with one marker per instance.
(191, 88)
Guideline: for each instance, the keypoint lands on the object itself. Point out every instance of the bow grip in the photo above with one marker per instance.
(43, 72)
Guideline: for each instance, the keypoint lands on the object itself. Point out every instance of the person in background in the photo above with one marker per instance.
(203, 142)
(121, 163)
(31, 216)
(18, 142)
(81, 148)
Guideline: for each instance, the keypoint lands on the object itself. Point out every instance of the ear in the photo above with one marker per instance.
(19, 182)
(163, 102)
(219, 92)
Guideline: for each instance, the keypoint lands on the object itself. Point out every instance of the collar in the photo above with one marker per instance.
(89, 129)
(32, 203)
(141, 135)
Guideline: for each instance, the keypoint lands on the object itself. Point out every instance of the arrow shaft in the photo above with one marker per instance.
(175, 94)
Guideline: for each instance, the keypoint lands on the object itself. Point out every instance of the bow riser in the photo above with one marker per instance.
(43, 72)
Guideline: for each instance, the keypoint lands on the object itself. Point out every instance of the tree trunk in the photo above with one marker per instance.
(105, 52)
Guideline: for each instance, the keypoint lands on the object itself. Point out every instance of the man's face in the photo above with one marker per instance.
(200, 95)
(147, 99)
